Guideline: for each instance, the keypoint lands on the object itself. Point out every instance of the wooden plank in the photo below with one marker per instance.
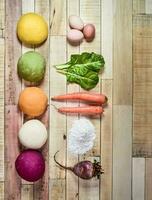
(13, 51)
(71, 180)
(106, 144)
(138, 178)
(57, 189)
(107, 37)
(58, 17)
(122, 151)
(27, 192)
(90, 13)
(57, 120)
(142, 145)
(1, 190)
(2, 110)
(138, 7)
(27, 6)
(148, 179)
(12, 180)
(142, 41)
(2, 18)
(148, 5)
(41, 188)
(122, 52)
(12, 89)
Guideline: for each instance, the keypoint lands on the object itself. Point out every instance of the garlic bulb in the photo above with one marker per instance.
(81, 136)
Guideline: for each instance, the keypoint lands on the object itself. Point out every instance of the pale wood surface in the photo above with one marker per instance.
(138, 178)
(142, 68)
(121, 25)
(106, 143)
(148, 178)
(122, 125)
(72, 186)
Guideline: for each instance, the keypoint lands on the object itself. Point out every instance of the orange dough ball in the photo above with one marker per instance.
(33, 101)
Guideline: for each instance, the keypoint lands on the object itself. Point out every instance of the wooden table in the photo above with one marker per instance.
(124, 134)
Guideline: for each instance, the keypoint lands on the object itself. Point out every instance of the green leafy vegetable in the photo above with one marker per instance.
(83, 69)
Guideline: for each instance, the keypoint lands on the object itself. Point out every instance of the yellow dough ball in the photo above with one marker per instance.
(32, 29)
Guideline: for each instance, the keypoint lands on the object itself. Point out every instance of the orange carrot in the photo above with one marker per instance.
(84, 96)
(88, 110)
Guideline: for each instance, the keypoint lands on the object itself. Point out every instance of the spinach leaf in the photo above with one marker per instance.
(85, 78)
(83, 69)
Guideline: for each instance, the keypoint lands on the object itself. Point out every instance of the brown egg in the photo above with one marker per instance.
(89, 32)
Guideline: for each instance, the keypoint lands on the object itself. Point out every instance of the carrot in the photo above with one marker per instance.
(84, 96)
(88, 110)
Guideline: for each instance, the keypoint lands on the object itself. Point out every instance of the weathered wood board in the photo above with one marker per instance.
(121, 26)
(142, 97)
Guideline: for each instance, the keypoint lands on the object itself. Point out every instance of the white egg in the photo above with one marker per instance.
(75, 36)
(76, 22)
(33, 134)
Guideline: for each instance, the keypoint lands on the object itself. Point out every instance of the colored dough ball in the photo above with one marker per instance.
(32, 29)
(33, 134)
(30, 165)
(33, 101)
(31, 66)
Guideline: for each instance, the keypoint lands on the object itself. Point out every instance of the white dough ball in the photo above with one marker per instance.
(33, 134)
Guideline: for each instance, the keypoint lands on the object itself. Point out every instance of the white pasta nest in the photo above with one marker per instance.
(81, 136)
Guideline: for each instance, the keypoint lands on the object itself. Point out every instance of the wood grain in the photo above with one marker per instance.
(27, 192)
(13, 51)
(106, 144)
(148, 179)
(12, 180)
(57, 133)
(12, 89)
(138, 178)
(138, 7)
(58, 17)
(122, 100)
(57, 189)
(142, 41)
(72, 189)
(2, 18)
(122, 56)
(107, 37)
(148, 6)
(1, 190)
(2, 109)
(122, 143)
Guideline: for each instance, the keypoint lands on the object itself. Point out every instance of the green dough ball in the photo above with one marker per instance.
(31, 66)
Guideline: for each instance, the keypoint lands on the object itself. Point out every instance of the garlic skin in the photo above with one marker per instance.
(81, 136)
